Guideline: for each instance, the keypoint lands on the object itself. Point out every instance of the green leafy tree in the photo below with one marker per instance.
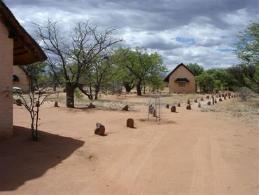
(248, 46)
(140, 64)
(195, 68)
(206, 82)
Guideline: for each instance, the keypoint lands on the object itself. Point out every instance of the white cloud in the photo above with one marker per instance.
(210, 26)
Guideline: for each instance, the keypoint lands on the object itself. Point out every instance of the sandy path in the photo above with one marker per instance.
(189, 152)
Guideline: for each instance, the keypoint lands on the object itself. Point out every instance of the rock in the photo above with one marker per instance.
(188, 107)
(91, 105)
(208, 97)
(179, 104)
(202, 99)
(209, 103)
(199, 105)
(18, 102)
(220, 99)
(173, 109)
(215, 102)
(167, 106)
(100, 129)
(56, 104)
(130, 123)
(196, 101)
(188, 101)
(125, 108)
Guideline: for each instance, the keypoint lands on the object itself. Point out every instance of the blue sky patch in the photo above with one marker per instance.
(186, 40)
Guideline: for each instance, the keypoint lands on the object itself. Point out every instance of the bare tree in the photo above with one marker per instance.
(32, 102)
(75, 54)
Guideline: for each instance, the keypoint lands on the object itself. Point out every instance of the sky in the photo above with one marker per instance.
(181, 31)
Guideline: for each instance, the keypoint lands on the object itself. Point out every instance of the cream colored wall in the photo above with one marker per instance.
(6, 69)
(23, 79)
(182, 72)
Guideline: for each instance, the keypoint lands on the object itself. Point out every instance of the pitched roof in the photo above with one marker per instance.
(26, 49)
(178, 66)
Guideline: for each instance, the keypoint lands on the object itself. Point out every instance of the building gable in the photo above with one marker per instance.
(176, 68)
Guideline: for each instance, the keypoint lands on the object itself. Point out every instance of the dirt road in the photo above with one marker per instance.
(189, 152)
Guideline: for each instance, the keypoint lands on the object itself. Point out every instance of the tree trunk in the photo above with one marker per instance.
(138, 86)
(128, 86)
(96, 93)
(70, 89)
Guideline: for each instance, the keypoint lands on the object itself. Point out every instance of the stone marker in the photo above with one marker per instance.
(91, 105)
(188, 107)
(125, 108)
(130, 123)
(173, 109)
(150, 109)
(100, 129)
(154, 113)
(56, 104)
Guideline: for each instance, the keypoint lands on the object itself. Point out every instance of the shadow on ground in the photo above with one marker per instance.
(22, 160)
